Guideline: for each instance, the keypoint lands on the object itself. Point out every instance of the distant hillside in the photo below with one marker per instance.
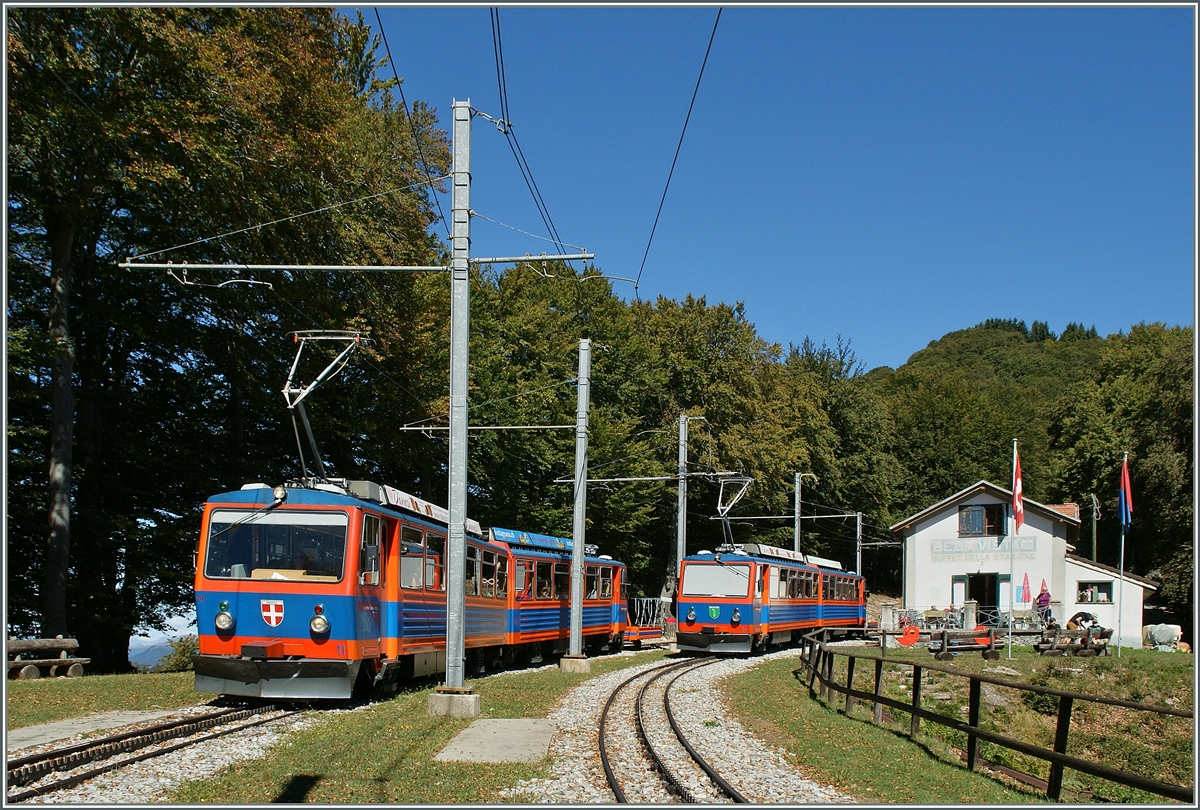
(149, 656)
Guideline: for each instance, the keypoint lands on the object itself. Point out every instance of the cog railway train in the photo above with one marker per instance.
(322, 590)
(743, 598)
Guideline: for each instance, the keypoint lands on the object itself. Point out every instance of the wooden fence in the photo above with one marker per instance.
(818, 664)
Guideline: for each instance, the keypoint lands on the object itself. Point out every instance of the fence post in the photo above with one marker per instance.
(814, 662)
(878, 690)
(829, 663)
(850, 659)
(973, 722)
(1054, 784)
(916, 703)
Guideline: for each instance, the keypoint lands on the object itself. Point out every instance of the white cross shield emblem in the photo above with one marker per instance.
(272, 611)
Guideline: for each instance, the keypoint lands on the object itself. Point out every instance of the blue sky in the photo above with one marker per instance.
(883, 174)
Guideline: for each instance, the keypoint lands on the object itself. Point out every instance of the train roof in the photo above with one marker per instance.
(760, 550)
(353, 493)
(340, 492)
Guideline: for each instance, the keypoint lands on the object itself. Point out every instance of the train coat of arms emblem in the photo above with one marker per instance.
(272, 611)
(713, 612)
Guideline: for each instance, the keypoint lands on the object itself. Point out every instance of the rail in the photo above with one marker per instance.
(818, 658)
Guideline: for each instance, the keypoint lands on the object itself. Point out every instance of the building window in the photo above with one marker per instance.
(1094, 592)
(981, 521)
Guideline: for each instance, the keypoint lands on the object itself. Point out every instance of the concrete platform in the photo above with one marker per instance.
(65, 729)
(500, 741)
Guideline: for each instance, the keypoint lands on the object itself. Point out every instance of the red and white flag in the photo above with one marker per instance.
(1018, 503)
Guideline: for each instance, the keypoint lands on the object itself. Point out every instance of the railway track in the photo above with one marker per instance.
(109, 753)
(687, 778)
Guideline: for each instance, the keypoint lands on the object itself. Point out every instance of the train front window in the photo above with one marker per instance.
(703, 579)
(282, 544)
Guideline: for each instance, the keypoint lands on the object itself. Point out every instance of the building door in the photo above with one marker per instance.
(984, 589)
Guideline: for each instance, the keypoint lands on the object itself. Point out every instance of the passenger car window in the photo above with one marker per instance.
(412, 557)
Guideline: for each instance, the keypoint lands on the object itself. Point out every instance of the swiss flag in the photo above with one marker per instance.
(1018, 504)
(272, 611)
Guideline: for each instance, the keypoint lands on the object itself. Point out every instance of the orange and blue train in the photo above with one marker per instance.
(324, 590)
(742, 598)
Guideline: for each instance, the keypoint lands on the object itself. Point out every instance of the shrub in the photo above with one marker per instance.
(179, 659)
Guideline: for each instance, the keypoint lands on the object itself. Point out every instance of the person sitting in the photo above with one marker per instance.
(299, 561)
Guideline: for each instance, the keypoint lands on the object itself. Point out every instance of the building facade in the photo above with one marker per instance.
(962, 549)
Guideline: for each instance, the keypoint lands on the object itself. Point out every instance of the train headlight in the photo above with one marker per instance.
(691, 617)
(224, 621)
(737, 616)
(319, 625)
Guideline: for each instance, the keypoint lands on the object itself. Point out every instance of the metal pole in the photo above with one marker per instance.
(1095, 520)
(796, 534)
(459, 326)
(681, 511)
(1011, 542)
(580, 524)
(858, 546)
(1121, 586)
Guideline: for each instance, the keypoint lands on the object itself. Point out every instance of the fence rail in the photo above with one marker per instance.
(818, 662)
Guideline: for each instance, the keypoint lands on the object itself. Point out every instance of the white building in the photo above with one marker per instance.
(961, 548)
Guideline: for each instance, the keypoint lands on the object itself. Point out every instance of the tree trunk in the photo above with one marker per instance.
(62, 433)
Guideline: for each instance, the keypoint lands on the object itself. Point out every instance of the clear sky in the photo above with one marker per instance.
(883, 174)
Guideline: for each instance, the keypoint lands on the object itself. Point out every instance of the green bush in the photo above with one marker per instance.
(180, 657)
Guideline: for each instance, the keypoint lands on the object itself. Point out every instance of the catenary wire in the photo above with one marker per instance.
(285, 219)
(411, 124)
(510, 135)
(677, 148)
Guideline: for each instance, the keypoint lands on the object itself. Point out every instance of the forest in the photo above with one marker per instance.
(190, 134)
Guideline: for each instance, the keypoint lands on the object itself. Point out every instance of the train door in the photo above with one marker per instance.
(760, 585)
(368, 613)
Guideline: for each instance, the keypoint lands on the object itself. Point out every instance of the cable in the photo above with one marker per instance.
(677, 148)
(285, 219)
(560, 245)
(511, 136)
(411, 126)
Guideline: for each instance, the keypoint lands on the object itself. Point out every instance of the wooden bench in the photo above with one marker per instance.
(30, 658)
(1087, 642)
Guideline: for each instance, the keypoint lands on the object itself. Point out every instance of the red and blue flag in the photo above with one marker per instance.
(1125, 497)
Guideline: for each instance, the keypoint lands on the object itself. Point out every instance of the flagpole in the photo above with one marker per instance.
(1121, 586)
(1011, 540)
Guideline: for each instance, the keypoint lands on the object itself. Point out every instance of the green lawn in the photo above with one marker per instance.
(384, 753)
(48, 699)
(771, 700)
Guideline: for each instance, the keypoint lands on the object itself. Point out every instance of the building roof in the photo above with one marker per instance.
(1116, 572)
(1056, 512)
(1071, 510)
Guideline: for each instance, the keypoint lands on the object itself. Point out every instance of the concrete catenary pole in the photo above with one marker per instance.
(681, 510)
(459, 326)
(580, 523)
(858, 545)
(796, 534)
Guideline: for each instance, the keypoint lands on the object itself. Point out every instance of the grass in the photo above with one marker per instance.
(384, 752)
(929, 771)
(48, 699)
